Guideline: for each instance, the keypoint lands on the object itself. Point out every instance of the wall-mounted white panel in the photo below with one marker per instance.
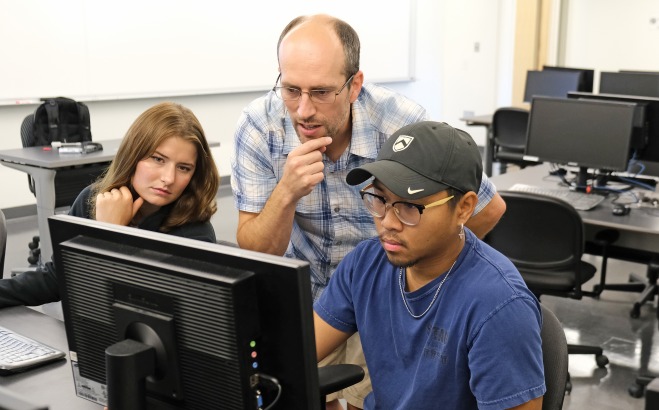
(89, 49)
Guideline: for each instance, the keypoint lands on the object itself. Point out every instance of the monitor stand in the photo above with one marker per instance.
(582, 178)
(128, 363)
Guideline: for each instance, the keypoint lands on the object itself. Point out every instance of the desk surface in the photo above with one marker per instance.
(51, 384)
(485, 119)
(643, 220)
(52, 159)
(38, 157)
(638, 230)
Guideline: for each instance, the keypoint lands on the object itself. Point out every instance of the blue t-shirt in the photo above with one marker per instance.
(478, 346)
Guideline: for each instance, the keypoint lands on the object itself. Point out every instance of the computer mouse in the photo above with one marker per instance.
(620, 209)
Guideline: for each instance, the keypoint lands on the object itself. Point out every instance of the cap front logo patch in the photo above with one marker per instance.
(402, 142)
(414, 191)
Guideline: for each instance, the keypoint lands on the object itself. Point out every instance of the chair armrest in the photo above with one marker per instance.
(338, 376)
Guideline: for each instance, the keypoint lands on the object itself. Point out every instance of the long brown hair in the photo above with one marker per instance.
(197, 202)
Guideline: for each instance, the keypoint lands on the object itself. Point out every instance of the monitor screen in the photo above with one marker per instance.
(587, 76)
(646, 128)
(629, 83)
(209, 326)
(550, 83)
(587, 134)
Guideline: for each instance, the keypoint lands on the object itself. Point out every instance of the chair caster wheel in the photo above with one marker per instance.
(33, 259)
(601, 360)
(568, 387)
(636, 390)
(34, 243)
(635, 312)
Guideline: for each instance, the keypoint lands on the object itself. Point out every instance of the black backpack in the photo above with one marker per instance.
(61, 119)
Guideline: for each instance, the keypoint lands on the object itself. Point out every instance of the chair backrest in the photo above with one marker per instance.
(68, 182)
(555, 359)
(538, 231)
(509, 126)
(27, 131)
(27, 139)
(543, 237)
(3, 241)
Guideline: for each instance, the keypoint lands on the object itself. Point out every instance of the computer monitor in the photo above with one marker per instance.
(639, 71)
(182, 324)
(645, 141)
(587, 76)
(550, 83)
(629, 83)
(582, 133)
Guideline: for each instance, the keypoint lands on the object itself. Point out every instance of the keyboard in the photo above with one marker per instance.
(579, 200)
(19, 353)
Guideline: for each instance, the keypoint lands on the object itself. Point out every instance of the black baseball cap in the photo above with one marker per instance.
(424, 158)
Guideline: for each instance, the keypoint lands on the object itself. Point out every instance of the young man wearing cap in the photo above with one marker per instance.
(444, 319)
(295, 145)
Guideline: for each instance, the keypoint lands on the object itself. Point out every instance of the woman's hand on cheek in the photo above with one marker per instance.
(117, 206)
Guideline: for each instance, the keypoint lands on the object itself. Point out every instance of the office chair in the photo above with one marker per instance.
(509, 126)
(543, 237)
(337, 377)
(68, 182)
(648, 288)
(3, 242)
(555, 360)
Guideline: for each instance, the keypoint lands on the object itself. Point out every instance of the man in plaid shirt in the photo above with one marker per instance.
(295, 145)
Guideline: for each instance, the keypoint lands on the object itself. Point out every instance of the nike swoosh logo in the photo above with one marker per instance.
(411, 191)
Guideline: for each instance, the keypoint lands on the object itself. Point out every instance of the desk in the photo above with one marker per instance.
(638, 230)
(485, 121)
(42, 166)
(51, 384)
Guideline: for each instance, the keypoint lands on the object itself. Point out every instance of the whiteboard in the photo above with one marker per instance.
(98, 50)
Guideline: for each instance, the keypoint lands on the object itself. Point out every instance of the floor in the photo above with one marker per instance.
(632, 345)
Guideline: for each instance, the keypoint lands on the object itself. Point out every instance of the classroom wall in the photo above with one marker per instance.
(612, 35)
(462, 57)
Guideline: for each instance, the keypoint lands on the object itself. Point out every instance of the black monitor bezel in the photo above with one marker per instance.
(620, 78)
(569, 79)
(648, 155)
(587, 76)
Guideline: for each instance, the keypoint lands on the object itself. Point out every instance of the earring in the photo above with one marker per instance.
(461, 235)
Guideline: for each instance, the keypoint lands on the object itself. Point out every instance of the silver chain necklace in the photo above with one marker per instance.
(402, 293)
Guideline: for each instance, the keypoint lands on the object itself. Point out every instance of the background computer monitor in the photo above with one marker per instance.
(582, 133)
(587, 76)
(226, 323)
(639, 71)
(629, 83)
(646, 129)
(550, 83)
